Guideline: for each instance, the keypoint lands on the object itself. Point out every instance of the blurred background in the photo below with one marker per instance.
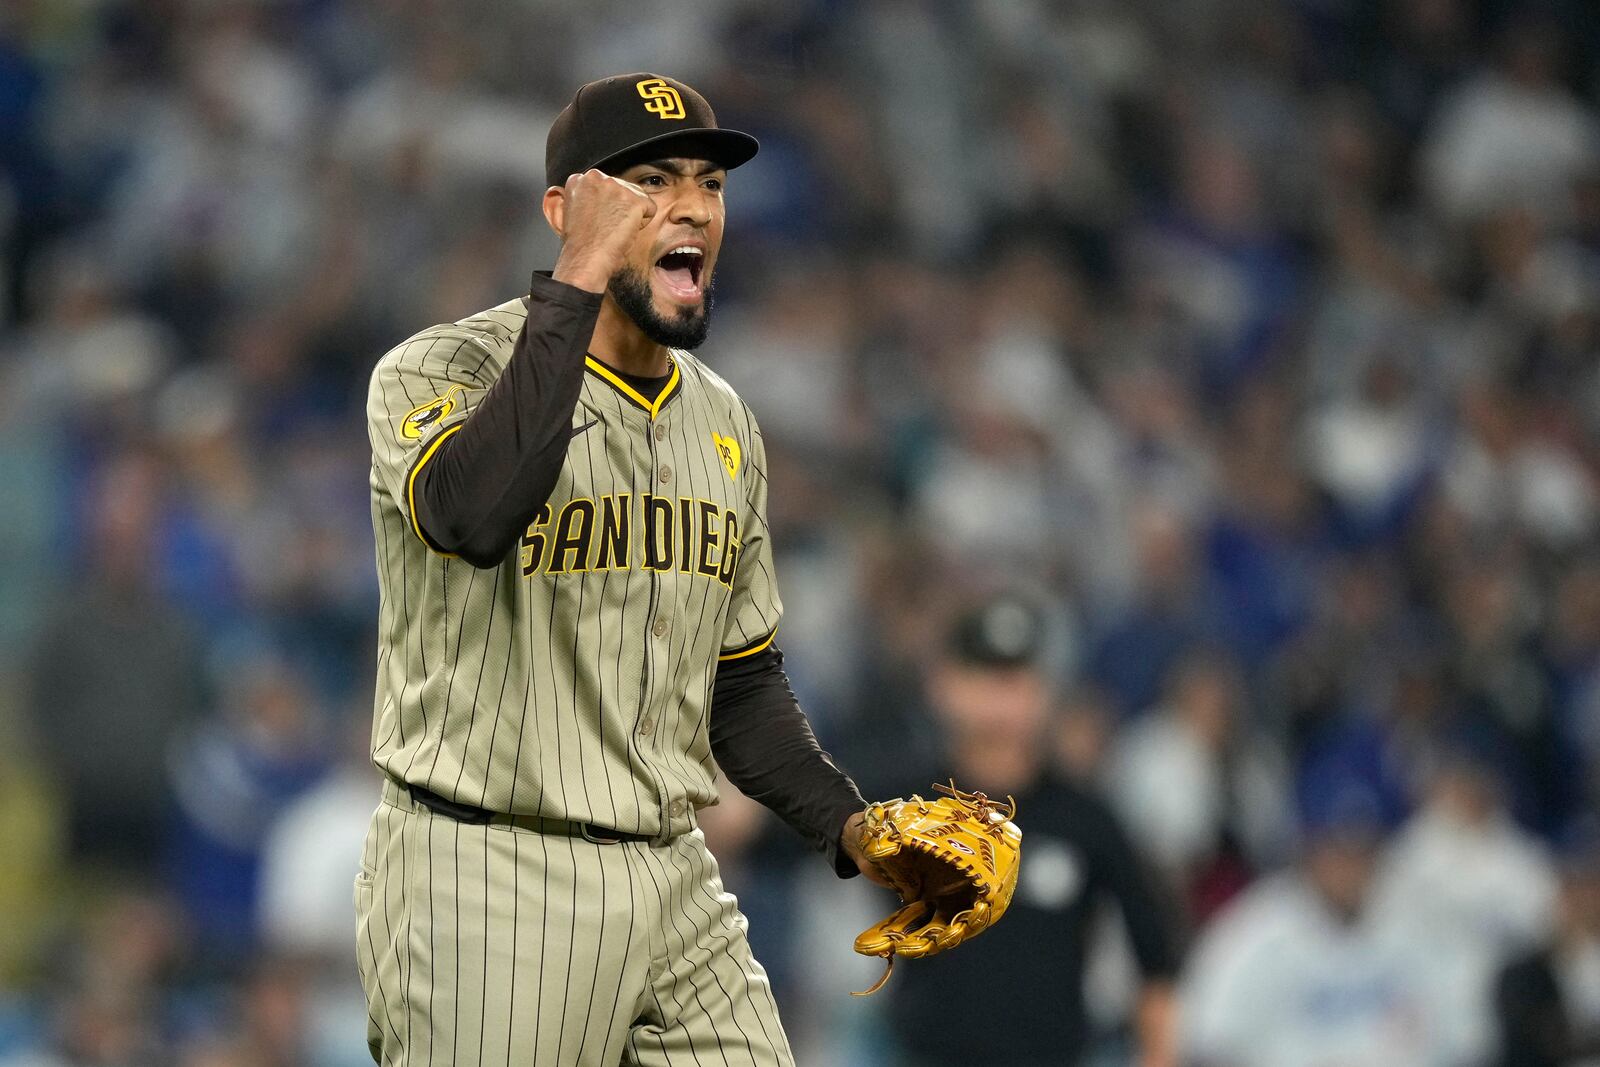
(1253, 344)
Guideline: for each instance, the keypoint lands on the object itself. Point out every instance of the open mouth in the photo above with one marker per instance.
(679, 271)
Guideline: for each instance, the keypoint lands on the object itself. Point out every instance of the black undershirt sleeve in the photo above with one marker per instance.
(764, 744)
(488, 480)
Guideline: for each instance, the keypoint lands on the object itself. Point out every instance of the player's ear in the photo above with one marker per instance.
(555, 210)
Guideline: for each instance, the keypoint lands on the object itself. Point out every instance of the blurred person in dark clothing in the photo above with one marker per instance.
(993, 701)
(1385, 732)
(1359, 629)
(1502, 684)
(1570, 650)
(1201, 796)
(1173, 608)
(1217, 262)
(902, 627)
(114, 675)
(1270, 533)
(231, 779)
(1548, 1002)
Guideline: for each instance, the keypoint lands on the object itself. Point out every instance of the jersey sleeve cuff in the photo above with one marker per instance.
(749, 648)
(847, 805)
(545, 289)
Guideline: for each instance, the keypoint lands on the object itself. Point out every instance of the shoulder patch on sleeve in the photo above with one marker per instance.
(419, 418)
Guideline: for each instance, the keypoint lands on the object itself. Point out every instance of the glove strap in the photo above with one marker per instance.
(887, 971)
(978, 800)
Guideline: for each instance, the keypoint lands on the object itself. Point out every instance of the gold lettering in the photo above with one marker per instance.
(657, 532)
(708, 540)
(616, 531)
(574, 530)
(533, 542)
(732, 548)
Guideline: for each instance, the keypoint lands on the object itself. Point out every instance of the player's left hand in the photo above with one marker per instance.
(852, 841)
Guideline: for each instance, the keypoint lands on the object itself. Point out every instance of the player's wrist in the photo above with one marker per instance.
(581, 275)
(850, 834)
(543, 288)
(852, 841)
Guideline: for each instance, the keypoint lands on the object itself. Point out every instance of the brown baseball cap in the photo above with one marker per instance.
(617, 122)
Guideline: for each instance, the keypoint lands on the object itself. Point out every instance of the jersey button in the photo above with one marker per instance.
(666, 474)
(677, 808)
(660, 628)
(646, 726)
(661, 431)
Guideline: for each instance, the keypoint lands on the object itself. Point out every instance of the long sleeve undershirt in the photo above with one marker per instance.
(488, 480)
(764, 744)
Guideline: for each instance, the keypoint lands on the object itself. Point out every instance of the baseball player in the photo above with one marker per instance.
(576, 630)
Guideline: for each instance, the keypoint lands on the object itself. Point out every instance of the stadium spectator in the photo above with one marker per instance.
(1548, 1000)
(1299, 972)
(1468, 889)
(115, 674)
(232, 778)
(303, 901)
(1195, 788)
(1512, 134)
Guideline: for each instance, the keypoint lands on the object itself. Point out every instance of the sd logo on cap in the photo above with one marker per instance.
(661, 99)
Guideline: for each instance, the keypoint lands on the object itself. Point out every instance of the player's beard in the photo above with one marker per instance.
(688, 326)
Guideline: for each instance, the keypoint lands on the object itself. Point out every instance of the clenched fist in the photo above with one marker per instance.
(598, 217)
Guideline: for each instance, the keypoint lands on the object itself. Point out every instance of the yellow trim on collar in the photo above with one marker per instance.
(411, 489)
(742, 653)
(630, 392)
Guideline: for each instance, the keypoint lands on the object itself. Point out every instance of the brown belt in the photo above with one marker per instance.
(403, 796)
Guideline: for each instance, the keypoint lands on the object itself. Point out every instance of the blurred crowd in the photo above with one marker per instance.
(1254, 344)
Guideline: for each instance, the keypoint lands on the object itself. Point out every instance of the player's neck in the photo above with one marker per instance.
(620, 344)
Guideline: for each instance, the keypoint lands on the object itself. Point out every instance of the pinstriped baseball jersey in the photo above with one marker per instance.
(573, 680)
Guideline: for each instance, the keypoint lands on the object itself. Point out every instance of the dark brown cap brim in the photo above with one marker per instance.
(726, 148)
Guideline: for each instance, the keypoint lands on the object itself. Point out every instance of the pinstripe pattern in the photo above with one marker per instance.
(496, 945)
(567, 684)
(552, 693)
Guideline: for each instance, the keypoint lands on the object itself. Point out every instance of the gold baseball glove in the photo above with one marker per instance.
(954, 863)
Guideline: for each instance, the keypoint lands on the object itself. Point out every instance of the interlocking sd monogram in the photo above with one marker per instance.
(661, 99)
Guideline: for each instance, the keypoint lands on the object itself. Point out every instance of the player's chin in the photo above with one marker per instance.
(678, 292)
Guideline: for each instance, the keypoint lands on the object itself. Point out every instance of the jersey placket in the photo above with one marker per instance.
(658, 633)
(655, 667)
